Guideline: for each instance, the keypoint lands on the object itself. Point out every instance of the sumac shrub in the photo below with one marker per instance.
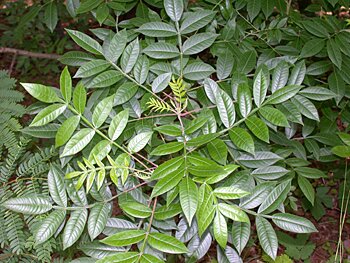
(189, 122)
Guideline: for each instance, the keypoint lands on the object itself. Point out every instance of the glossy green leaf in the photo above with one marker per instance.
(125, 92)
(307, 189)
(157, 29)
(298, 74)
(168, 182)
(102, 111)
(206, 209)
(56, 185)
(220, 229)
(116, 46)
(270, 172)
(66, 130)
(125, 238)
(309, 172)
(141, 69)
(196, 20)
(49, 226)
(229, 192)
(41, 92)
(66, 85)
(97, 219)
(274, 116)
(174, 9)
(166, 243)
(139, 142)
(198, 42)
(118, 125)
(147, 258)
(85, 41)
(334, 53)
(105, 79)
(130, 55)
(224, 64)
(78, 141)
(79, 98)
(171, 130)
(283, 94)
(123, 257)
(293, 223)
(240, 235)
(267, 236)
(161, 50)
(32, 205)
(48, 114)
(312, 47)
(188, 198)
(242, 139)
(260, 159)
(317, 93)
(259, 88)
(51, 16)
(218, 151)
(306, 107)
(161, 82)
(136, 209)
(280, 76)
(233, 212)
(244, 99)
(258, 128)
(226, 108)
(275, 198)
(167, 148)
(92, 68)
(74, 227)
(167, 167)
(198, 71)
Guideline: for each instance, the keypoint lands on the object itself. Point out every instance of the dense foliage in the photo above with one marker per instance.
(188, 123)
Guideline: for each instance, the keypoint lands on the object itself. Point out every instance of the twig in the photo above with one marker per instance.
(28, 53)
(12, 63)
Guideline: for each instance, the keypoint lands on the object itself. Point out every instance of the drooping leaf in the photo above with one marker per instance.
(188, 198)
(66, 85)
(220, 229)
(56, 185)
(97, 219)
(74, 227)
(49, 226)
(267, 236)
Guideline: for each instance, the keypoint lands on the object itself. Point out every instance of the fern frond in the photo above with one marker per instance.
(14, 227)
(36, 163)
(11, 162)
(157, 105)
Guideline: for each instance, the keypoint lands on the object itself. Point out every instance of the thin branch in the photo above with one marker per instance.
(26, 53)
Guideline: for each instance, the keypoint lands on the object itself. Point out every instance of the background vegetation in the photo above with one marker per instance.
(178, 131)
